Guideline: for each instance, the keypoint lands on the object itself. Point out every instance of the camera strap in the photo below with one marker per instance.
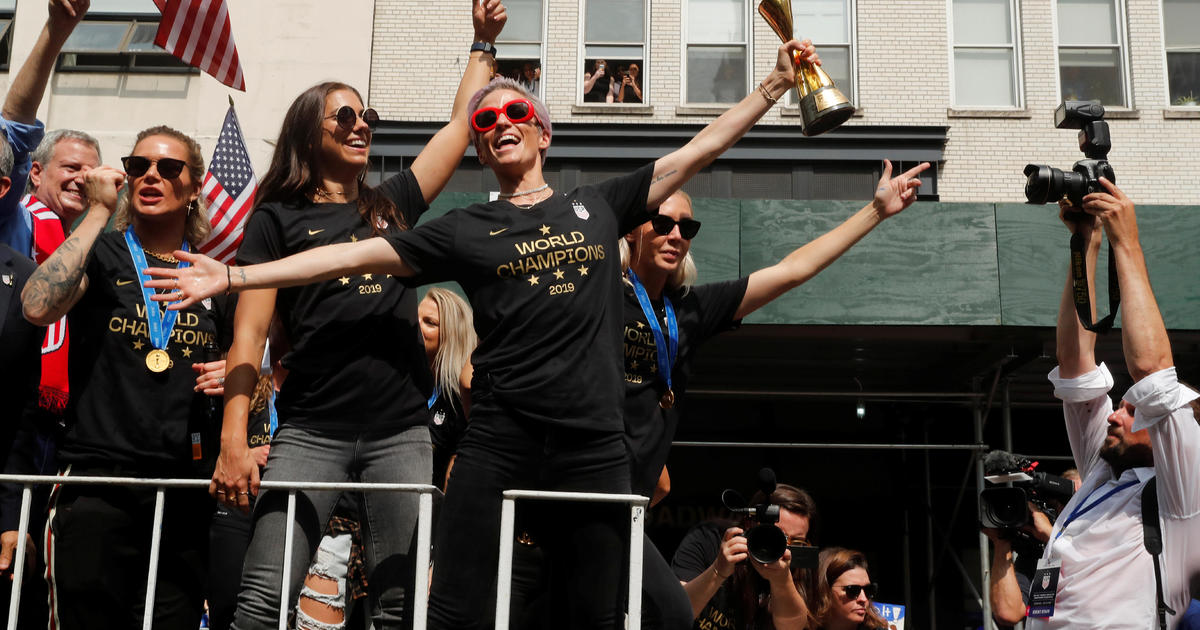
(1152, 539)
(1079, 284)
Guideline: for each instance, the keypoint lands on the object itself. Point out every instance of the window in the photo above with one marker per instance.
(520, 44)
(717, 51)
(985, 54)
(1091, 62)
(614, 52)
(118, 36)
(830, 26)
(1182, 38)
(8, 8)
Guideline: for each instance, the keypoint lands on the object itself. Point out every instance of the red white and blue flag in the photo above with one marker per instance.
(198, 33)
(229, 187)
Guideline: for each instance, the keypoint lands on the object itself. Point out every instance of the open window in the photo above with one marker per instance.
(118, 36)
(521, 44)
(614, 55)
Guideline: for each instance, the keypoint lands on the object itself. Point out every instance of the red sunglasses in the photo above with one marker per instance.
(516, 111)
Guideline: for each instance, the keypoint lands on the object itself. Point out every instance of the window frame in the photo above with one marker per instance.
(581, 57)
(129, 58)
(792, 100)
(1018, 62)
(6, 53)
(542, 45)
(1121, 16)
(1162, 24)
(685, 45)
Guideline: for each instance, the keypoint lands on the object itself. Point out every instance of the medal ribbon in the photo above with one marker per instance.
(432, 399)
(1080, 509)
(159, 325)
(666, 354)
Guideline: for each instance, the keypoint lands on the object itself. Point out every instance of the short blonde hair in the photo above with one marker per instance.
(197, 228)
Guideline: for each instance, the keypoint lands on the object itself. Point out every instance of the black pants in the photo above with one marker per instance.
(584, 544)
(98, 554)
(229, 537)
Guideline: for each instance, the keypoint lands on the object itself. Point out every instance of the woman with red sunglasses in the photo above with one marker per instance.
(539, 269)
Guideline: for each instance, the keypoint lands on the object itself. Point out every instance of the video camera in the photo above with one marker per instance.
(1045, 184)
(766, 542)
(1007, 508)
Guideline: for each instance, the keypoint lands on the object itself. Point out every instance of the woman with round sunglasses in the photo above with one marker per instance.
(538, 268)
(133, 409)
(845, 592)
(353, 406)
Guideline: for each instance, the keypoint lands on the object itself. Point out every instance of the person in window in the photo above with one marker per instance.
(596, 84)
(539, 270)
(845, 591)
(630, 86)
(531, 76)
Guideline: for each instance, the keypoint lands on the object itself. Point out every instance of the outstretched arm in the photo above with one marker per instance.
(892, 195)
(435, 163)
(205, 277)
(25, 93)
(1076, 345)
(673, 170)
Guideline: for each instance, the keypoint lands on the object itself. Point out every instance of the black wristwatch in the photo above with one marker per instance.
(485, 47)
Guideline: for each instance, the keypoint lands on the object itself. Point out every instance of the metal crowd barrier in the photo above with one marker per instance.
(637, 513)
(424, 531)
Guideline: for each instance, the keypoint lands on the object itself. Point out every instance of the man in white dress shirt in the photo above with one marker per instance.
(1096, 572)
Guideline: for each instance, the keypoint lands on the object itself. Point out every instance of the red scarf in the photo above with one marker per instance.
(47, 236)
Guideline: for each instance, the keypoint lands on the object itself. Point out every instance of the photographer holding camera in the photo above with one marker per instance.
(729, 589)
(1140, 462)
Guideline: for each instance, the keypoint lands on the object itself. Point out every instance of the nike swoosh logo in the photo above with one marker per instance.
(315, 232)
(122, 283)
(495, 232)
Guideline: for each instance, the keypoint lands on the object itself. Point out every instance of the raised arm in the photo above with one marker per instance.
(892, 195)
(206, 277)
(1076, 345)
(25, 93)
(673, 170)
(435, 163)
(59, 282)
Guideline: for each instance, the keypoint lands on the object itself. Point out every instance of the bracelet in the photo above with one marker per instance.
(486, 47)
(767, 95)
(228, 280)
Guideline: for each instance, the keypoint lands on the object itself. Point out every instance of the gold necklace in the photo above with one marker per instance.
(167, 258)
(325, 194)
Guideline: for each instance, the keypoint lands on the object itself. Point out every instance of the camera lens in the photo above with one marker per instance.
(766, 543)
(1004, 507)
(1042, 183)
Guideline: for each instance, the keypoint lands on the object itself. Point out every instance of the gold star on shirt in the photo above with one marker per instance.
(344, 280)
(366, 276)
(653, 367)
(533, 280)
(186, 352)
(353, 238)
(558, 274)
(640, 325)
(137, 345)
(633, 365)
(583, 270)
(545, 229)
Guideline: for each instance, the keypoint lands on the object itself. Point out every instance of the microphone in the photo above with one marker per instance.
(766, 481)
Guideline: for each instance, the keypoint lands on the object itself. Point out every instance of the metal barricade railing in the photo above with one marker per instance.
(424, 531)
(637, 513)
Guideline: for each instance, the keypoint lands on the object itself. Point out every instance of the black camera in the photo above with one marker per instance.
(1007, 508)
(765, 542)
(1045, 184)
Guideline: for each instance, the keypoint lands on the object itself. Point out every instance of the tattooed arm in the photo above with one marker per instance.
(60, 281)
(673, 170)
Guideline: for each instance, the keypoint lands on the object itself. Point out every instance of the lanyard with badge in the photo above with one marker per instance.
(1044, 585)
(158, 324)
(666, 353)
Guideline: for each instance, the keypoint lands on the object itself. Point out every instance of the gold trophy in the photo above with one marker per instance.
(822, 106)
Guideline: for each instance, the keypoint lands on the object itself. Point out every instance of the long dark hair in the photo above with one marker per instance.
(295, 166)
(749, 586)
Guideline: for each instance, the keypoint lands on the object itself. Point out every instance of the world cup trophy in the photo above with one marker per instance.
(822, 106)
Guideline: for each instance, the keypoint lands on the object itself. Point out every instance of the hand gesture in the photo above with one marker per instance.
(205, 277)
(626, 80)
(1115, 211)
(235, 478)
(210, 378)
(488, 17)
(894, 194)
(101, 186)
(67, 13)
(733, 551)
(793, 53)
(8, 549)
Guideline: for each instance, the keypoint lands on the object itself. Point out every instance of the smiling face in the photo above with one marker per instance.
(153, 196)
(846, 610)
(344, 150)
(1123, 447)
(429, 321)
(54, 182)
(510, 149)
(651, 252)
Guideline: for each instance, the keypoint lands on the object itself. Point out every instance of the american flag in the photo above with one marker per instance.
(229, 187)
(198, 33)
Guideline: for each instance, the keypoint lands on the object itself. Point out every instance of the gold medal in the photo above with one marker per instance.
(158, 360)
(668, 399)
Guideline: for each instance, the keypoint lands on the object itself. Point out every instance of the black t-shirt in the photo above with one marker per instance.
(121, 413)
(546, 290)
(702, 312)
(447, 424)
(696, 552)
(356, 356)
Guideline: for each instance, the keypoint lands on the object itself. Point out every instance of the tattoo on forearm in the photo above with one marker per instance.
(242, 274)
(56, 281)
(665, 175)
